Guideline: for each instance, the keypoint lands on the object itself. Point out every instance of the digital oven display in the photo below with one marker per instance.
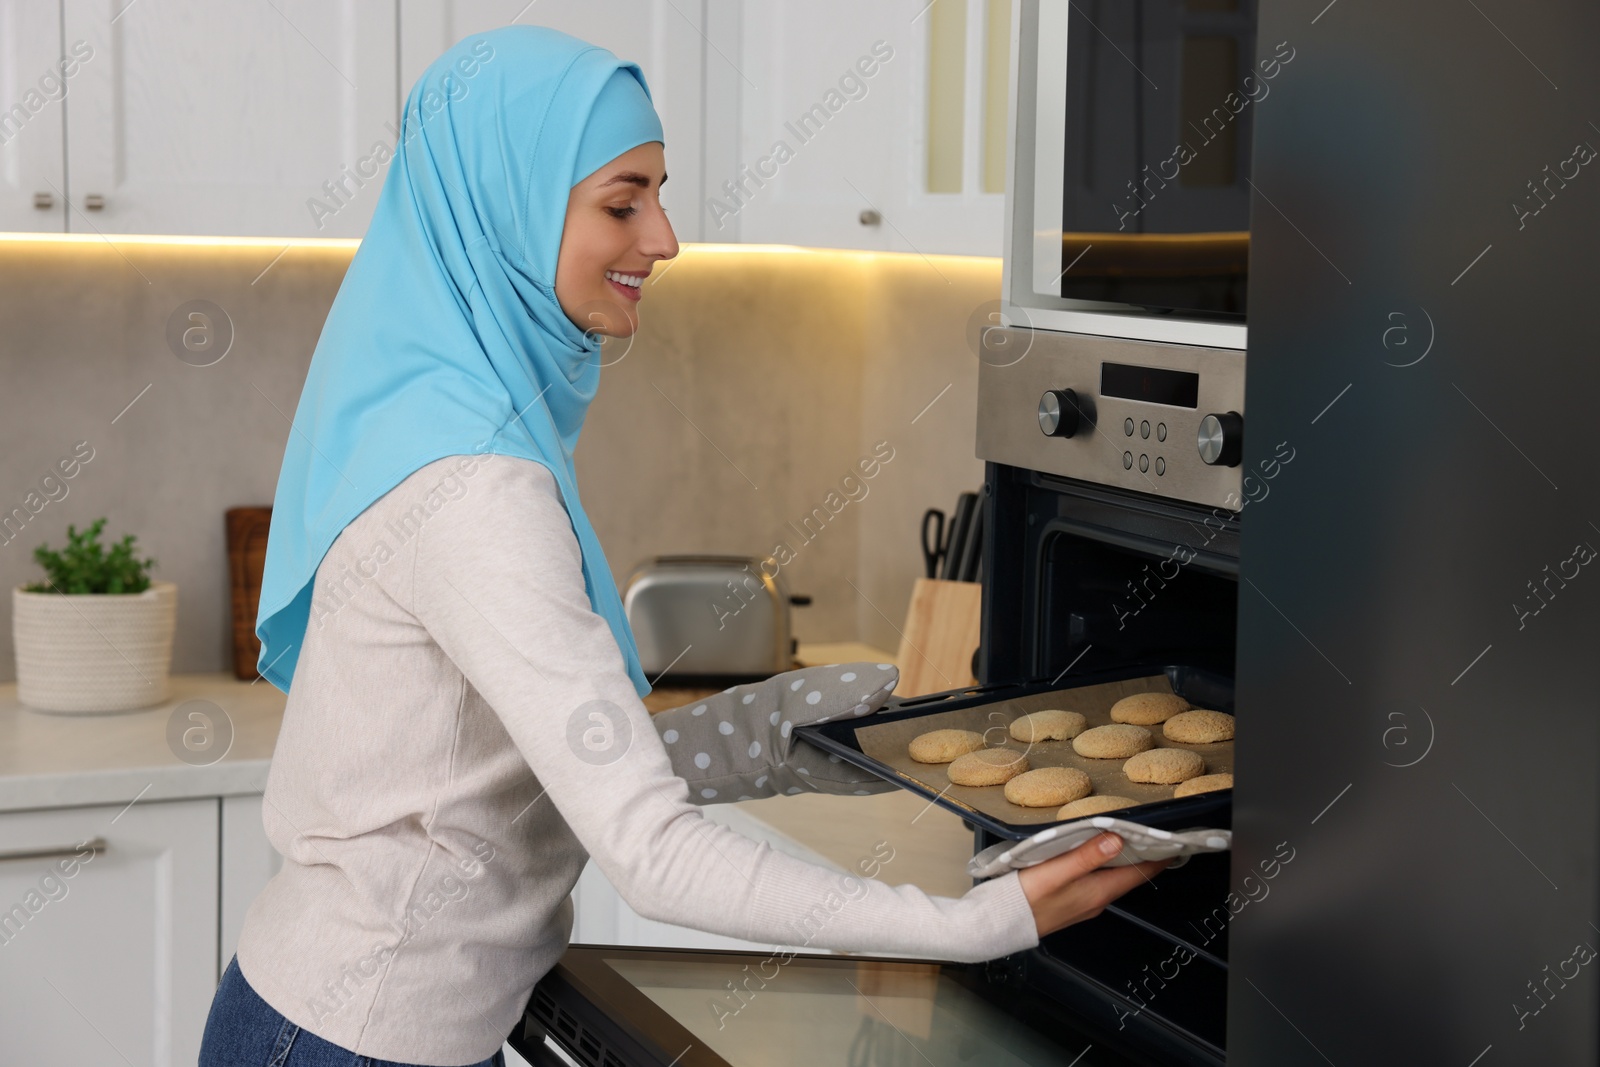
(1150, 385)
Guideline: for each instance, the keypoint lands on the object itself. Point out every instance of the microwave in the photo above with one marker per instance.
(1129, 191)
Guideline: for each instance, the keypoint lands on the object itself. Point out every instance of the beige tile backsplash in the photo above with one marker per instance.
(758, 382)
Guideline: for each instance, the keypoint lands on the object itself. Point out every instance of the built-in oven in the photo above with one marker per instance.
(1116, 492)
(1111, 412)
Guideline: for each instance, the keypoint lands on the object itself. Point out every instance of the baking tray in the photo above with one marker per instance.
(877, 743)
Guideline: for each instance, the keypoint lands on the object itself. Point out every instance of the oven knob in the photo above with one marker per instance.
(1061, 413)
(1220, 439)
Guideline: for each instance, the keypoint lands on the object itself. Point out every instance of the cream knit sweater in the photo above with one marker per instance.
(434, 809)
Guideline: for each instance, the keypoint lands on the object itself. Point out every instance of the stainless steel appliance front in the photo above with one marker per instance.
(1153, 418)
(708, 618)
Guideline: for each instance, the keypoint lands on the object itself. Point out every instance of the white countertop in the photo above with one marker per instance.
(58, 760)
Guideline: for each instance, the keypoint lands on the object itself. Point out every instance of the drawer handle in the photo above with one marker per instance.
(96, 845)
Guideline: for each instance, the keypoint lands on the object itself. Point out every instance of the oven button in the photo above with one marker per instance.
(1127, 427)
(1061, 413)
(1161, 431)
(1144, 429)
(1127, 461)
(1161, 465)
(1144, 464)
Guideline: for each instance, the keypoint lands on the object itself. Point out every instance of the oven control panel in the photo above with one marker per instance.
(1154, 418)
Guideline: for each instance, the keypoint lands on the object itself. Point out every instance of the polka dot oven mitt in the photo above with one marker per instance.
(739, 744)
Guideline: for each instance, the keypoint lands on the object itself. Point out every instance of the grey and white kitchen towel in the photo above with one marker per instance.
(1140, 843)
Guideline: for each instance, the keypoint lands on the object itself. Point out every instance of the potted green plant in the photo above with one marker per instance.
(96, 634)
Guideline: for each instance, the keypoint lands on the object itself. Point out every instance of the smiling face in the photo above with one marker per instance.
(615, 233)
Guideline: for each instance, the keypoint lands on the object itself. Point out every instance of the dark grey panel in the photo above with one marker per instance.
(1419, 721)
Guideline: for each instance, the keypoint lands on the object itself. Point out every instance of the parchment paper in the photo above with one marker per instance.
(887, 743)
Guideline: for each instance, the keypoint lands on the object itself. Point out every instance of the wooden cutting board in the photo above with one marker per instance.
(941, 633)
(247, 558)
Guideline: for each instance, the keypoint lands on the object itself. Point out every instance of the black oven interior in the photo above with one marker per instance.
(1087, 578)
(1114, 605)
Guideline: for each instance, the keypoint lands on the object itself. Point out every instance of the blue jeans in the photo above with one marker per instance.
(245, 1031)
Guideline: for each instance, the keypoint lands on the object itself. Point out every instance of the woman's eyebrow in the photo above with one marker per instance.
(631, 177)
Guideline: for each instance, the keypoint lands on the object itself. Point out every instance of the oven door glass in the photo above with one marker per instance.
(1152, 157)
(815, 1014)
(773, 1011)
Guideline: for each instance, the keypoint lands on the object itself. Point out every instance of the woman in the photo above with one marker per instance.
(464, 729)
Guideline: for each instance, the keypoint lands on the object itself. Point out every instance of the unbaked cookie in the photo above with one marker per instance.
(942, 746)
(1147, 709)
(1206, 783)
(1113, 742)
(989, 766)
(1048, 787)
(1095, 805)
(1048, 726)
(1199, 727)
(1164, 766)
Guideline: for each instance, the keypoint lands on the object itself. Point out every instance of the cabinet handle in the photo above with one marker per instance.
(44, 201)
(94, 202)
(870, 217)
(96, 845)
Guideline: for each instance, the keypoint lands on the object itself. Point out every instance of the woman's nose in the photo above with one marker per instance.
(659, 240)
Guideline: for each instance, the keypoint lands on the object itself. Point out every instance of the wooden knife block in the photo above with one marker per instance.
(940, 634)
(247, 558)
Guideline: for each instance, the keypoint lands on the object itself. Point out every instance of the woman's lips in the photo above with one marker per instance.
(627, 290)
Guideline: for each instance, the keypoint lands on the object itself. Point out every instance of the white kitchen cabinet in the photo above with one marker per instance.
(32, 116)
(839, 103)
(663, 36)
(114, 963)
(248, 862)
(230, 119)
(827, 123)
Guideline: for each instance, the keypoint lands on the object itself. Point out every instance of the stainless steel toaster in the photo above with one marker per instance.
(713, 618)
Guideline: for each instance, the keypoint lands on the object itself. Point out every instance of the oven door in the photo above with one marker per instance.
(631, 1007)
(1130, 200)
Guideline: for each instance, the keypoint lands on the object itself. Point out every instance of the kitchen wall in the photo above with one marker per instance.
(759, 379)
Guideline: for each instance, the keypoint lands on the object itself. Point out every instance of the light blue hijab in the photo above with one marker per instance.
(445, 337)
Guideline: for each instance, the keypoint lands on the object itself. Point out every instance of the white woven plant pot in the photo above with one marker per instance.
(94, 651)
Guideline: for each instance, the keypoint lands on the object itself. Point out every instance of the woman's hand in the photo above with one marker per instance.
(1071, 888)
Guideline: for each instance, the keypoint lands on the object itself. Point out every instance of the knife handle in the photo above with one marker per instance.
(972, 552)
(960, 526)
